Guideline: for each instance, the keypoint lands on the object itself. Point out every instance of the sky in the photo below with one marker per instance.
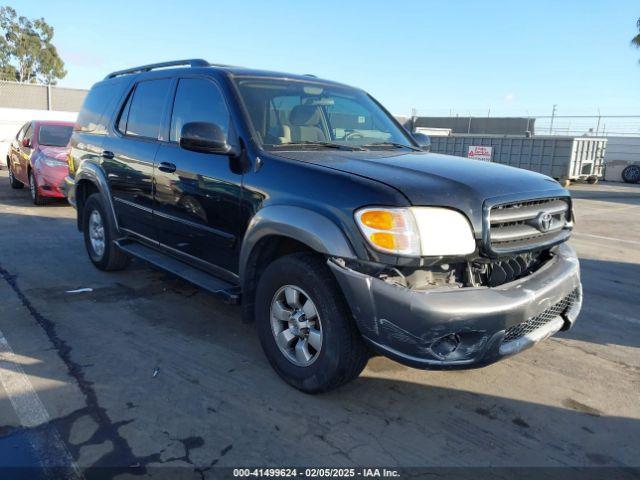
(438, 57)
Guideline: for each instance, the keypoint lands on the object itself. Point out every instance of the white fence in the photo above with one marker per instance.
(621, 152)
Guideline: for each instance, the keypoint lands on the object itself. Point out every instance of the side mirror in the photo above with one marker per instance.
(26, 142)
(205, 137)
(423, 141)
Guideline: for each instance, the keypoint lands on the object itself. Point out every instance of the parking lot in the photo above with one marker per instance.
(146, 371)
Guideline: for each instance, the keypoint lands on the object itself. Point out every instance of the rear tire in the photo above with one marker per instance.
(13, 181)
(99, 236)
(339, 354)
(36, 198)
(631, 174)
(592, 180)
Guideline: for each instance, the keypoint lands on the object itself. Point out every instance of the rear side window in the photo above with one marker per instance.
(198, 100)
(91, 116)
(147, 105)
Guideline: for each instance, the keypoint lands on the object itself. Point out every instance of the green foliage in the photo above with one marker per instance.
(635, 41)
(26, 51)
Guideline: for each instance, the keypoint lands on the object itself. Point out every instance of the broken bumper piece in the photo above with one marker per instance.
(449, 328)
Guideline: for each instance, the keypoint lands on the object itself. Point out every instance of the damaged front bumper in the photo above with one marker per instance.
(449, 328)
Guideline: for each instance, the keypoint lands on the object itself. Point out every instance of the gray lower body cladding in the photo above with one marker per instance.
(450, 328)
(68, 188)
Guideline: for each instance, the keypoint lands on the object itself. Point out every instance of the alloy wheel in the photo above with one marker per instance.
(296, 326)
(96, 233)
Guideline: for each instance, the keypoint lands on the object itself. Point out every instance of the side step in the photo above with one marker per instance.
(229, 292)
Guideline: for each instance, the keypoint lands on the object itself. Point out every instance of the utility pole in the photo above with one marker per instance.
(598, 126)
(553, 115)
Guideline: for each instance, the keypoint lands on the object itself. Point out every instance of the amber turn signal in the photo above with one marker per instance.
(377, 219)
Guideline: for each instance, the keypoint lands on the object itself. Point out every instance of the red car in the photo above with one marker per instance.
(37, 157)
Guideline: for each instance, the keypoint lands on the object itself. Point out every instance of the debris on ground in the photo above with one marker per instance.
(80, 290)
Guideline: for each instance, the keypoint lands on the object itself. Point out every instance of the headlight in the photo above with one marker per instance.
(416, 231)
(53, 162)
(391, 230)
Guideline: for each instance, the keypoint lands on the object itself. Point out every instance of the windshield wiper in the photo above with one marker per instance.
(337, 146)
(392, 144)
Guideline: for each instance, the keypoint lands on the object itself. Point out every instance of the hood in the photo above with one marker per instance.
(59, 153)
(430, 179)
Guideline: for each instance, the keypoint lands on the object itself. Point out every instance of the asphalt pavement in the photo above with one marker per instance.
(145, 374)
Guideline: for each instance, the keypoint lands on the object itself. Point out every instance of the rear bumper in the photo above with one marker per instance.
(410, 326)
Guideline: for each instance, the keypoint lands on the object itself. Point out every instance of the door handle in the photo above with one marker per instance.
(107, 154)
(167, 167)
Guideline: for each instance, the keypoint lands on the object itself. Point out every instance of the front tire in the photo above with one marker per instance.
(99, 236)
(36, 198)
(305, 327)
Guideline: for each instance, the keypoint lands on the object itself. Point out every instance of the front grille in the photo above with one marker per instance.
(540, 320)
(496, 272)
(518, 225)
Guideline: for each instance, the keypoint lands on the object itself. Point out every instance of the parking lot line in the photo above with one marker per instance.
(32, 413)
(23, 397)
(602, 237)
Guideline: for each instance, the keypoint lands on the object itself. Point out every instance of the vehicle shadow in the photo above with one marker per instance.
(617, 193)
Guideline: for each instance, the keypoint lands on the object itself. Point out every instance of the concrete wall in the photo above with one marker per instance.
(40, 97)
(621, 152)
(479, 125)
(11, 119)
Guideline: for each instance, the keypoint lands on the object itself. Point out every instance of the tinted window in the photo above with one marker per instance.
(54, 135)
(122, 121)
(198, 100)
(91, 116)
(29, 133)
(20, 134)
(145, 113)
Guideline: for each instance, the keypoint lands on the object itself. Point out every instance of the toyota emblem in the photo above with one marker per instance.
(545, 219)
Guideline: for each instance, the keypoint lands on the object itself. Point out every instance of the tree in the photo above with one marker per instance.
(635, 41)
(26, 51)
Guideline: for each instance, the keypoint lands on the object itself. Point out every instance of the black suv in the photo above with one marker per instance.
(308, 203)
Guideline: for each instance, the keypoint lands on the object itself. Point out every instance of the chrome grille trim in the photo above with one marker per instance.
(527, 210)
(516, 225)
(532, 324)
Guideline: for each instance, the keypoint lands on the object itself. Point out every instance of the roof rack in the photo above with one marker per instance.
(193, 62)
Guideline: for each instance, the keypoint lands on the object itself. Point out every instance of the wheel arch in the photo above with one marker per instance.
(90, 179)
(280, 230)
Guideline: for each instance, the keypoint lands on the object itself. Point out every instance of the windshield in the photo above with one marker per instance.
(55, 135)
(297, 114)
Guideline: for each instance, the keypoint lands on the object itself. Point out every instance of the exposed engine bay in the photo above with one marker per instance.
(476, 272)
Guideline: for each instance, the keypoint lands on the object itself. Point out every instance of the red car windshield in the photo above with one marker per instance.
(55, 135)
